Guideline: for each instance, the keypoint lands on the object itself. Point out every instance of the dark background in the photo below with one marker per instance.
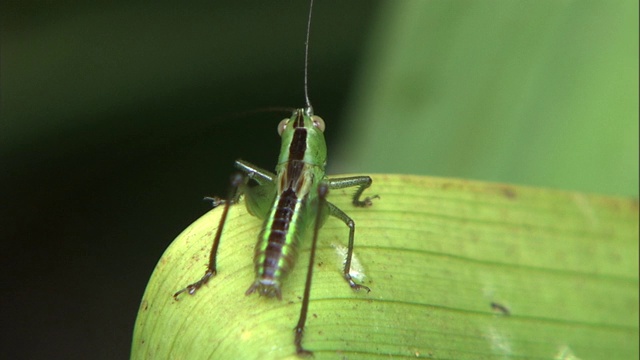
(117, 118)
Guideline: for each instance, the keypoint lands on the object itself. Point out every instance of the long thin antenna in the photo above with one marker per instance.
(309, 109)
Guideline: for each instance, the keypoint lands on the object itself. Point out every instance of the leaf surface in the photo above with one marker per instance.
(457, 269)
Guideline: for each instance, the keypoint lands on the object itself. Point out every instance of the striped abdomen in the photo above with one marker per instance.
(276, 250)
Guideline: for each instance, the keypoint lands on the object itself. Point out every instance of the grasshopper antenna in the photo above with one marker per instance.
(309, 109)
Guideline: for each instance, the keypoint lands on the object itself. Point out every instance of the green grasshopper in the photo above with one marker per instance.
(289, 201)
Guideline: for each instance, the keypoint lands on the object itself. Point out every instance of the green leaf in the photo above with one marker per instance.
(560, 268)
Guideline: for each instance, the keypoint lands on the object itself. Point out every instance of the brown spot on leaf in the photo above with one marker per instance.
(508, 192)
(500, 308)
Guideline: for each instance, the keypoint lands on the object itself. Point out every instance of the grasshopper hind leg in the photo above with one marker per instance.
(323, 189)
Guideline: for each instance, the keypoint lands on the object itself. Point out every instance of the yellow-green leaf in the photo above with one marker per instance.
(457, 269)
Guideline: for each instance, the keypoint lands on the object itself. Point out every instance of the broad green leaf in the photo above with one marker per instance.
(560, 268)
(537, 92)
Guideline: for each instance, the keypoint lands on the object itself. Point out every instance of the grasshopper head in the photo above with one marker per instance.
(308, 121)
(303, 138)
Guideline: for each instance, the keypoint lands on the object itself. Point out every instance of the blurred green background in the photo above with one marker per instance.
(117, 118)
(541, 93)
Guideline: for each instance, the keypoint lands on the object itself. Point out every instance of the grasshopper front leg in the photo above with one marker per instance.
(234, 194)
(362, 182)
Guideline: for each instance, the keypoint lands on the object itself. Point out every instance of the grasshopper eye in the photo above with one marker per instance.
(282, 125)
(318, 122)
